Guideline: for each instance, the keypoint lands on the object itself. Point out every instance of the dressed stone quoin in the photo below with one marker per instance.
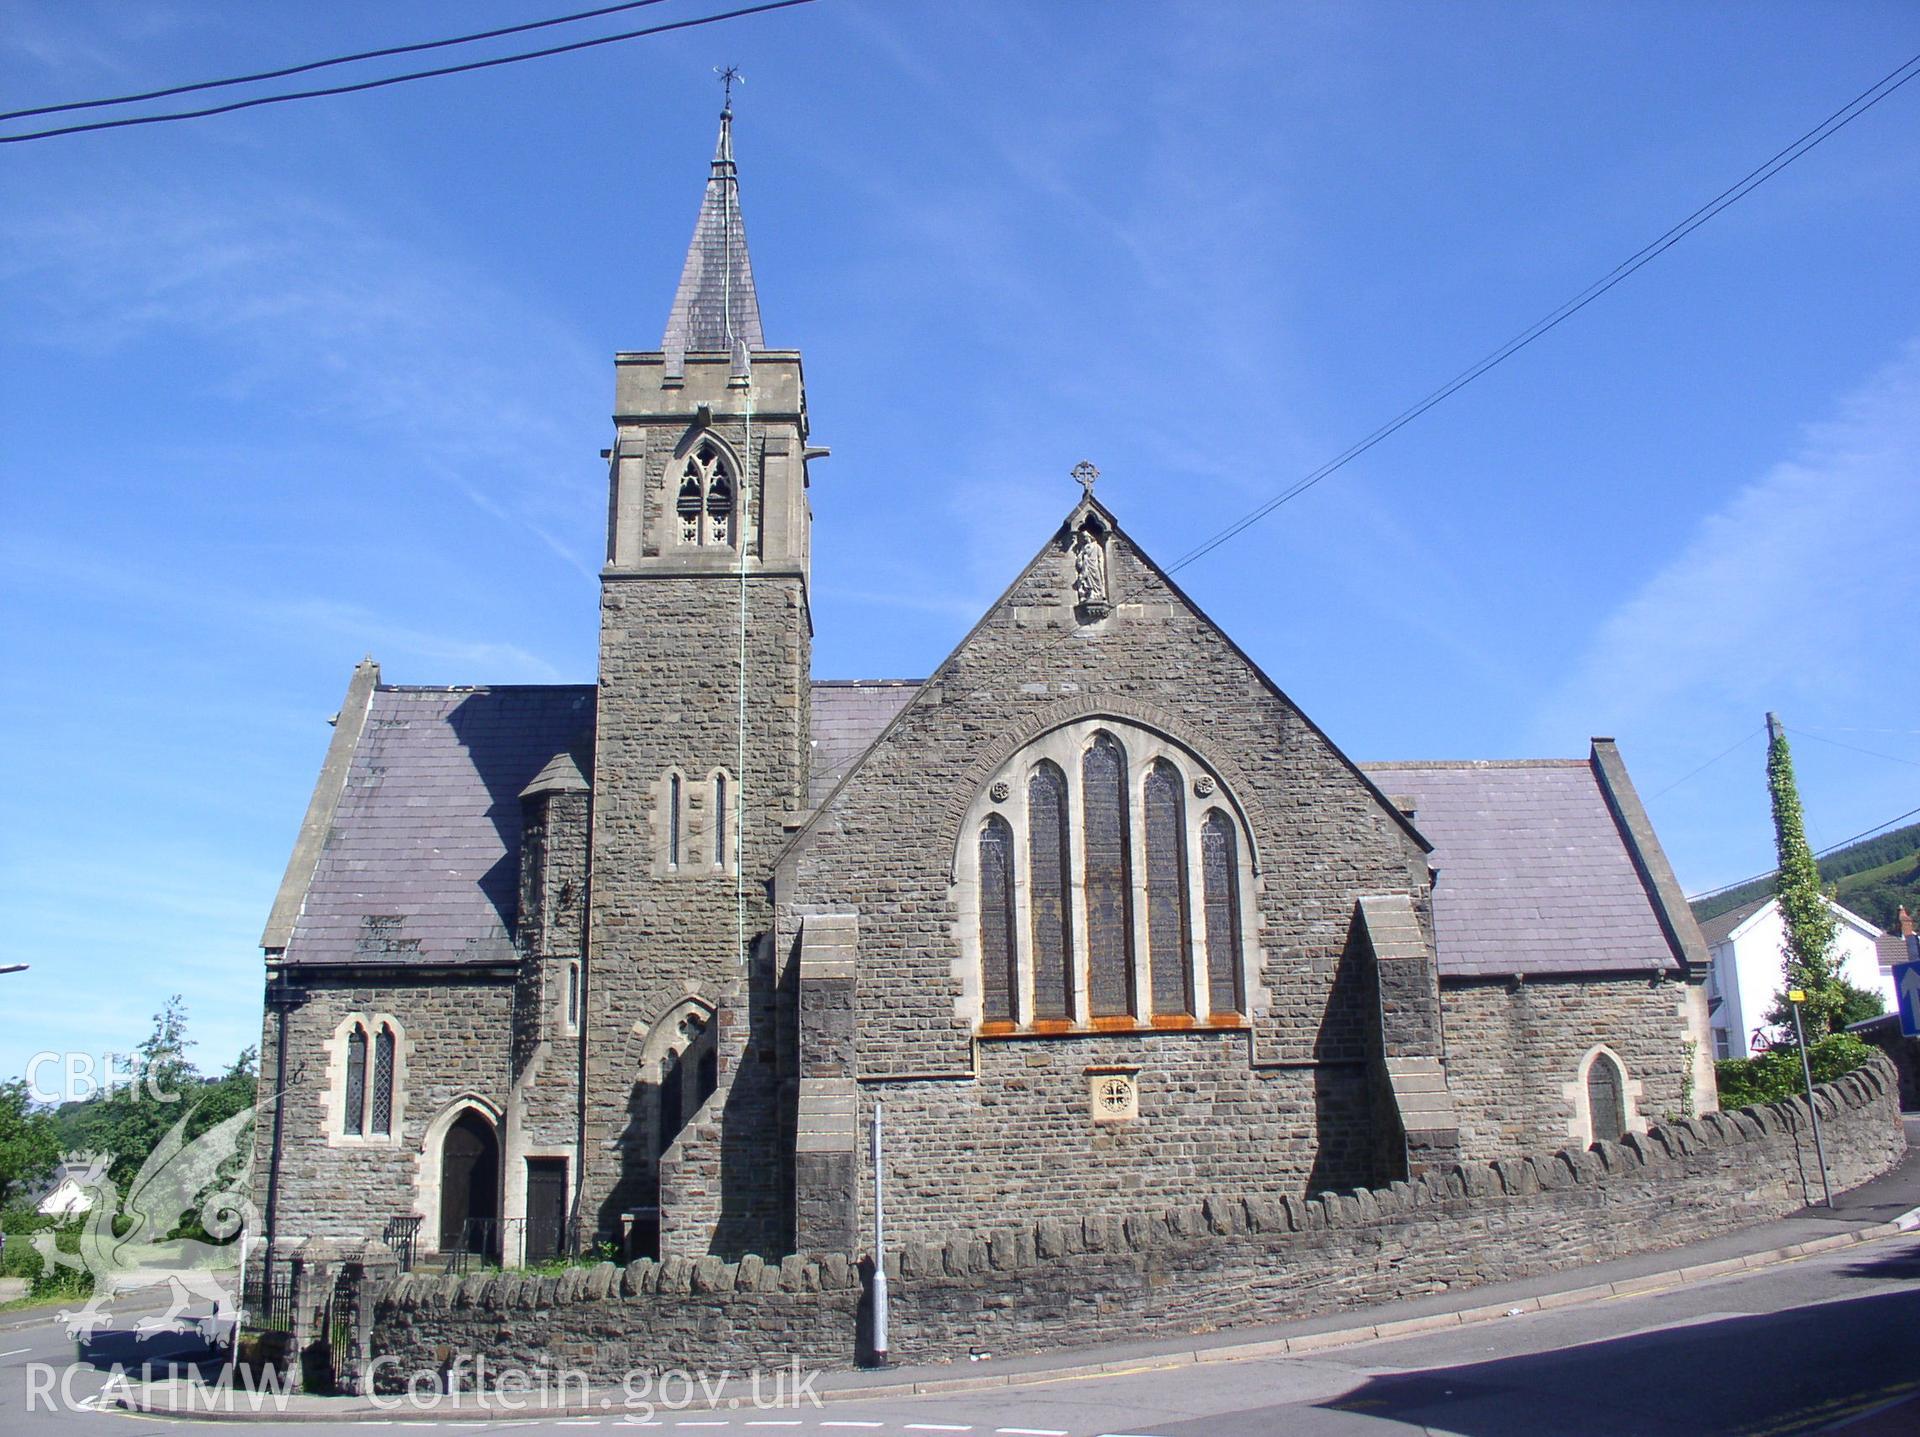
(1102, 917)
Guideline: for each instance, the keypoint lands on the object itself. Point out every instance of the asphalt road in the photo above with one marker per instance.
(1826, 1343)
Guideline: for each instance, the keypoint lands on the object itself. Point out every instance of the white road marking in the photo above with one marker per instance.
(774, 1422)
(853, 1424)
(936, 1427)
(16, 1352)
(1032, 1431)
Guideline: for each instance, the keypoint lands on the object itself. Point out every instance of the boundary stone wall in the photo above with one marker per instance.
(1218, 1262)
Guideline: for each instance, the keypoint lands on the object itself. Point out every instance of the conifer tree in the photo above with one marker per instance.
(1811, 928)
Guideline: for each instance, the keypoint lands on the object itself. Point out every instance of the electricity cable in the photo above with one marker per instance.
(460, 69)
(312, 65)
(1735, 192)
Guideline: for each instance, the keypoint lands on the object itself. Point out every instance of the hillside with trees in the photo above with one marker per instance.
(1873, 878)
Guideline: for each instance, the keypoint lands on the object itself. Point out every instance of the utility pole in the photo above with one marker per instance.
(1795, 997)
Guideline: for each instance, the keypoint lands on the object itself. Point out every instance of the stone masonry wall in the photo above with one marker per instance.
(1513, 1051)
(1219, 1262)
(457, 1038)
(990, 1126)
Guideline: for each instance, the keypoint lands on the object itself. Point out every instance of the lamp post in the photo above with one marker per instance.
(879, 1245)
(1795, 997)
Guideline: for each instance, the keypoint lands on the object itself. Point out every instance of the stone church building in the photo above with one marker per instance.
(1096, 912)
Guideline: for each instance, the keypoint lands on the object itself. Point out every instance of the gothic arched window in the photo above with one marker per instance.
(1606, 1100)
(1169, 942)
(1103, 776)
(382, 1123)
(366, 1078)
(997, 946)
(1220, 872)
(673, 821)
(1050, 865)
(1108, 897)
(720, 819)
(354, 1119)
(704, 508)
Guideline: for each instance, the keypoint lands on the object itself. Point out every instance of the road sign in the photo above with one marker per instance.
(1906, 985)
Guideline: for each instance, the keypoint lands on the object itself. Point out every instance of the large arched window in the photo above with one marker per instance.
(704, 505)
(1050, 868)
(1103, 776)
(1098, 892)
(1169, 942)
(998, 976)
(1220, 871)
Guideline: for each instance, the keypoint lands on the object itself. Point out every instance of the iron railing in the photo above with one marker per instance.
(402, 1236)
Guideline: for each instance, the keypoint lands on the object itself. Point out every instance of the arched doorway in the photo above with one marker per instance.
(470, 1186)
(1606, 1100)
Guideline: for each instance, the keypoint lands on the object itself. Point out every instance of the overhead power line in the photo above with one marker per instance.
(312, 65)
(1830, 848)
(1740, 189)
(1852, 747)
(1709, 763)
(460, 69)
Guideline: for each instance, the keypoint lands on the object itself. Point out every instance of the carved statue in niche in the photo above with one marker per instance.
(1090, 575)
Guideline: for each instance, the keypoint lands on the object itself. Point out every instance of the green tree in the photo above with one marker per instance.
(1811, 925)
(29, 1143)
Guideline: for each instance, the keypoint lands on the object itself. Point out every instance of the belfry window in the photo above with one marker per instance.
(1102, 893)
(704, 507)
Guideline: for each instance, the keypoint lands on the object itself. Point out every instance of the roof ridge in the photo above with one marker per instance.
(1473, 763)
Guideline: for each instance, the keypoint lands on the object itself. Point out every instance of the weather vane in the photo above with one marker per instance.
(1084, 474)
(728, 74)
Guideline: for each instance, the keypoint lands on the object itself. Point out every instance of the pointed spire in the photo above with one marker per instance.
(716, 310)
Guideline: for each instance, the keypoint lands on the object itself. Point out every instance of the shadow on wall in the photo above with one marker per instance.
(756, 1151)
(1346, 1154)
(509, 735)
(1822, 1363)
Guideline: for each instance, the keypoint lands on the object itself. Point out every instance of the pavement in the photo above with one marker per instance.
(1886, 1207)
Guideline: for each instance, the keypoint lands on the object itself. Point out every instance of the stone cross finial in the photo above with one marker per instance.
(1084, 474)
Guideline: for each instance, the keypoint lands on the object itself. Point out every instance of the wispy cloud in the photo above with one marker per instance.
(1785, 597)
(287, 295)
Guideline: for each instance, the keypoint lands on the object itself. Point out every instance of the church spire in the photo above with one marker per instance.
(716, 310)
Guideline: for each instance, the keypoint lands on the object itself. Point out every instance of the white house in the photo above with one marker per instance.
(69, 1189)
(1749, 968)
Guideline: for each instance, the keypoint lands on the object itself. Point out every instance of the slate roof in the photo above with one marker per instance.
(716, 306)
(422, 861)
(1720, 929)
(848, 715)
(1532, 874)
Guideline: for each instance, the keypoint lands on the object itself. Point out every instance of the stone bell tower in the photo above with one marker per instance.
(700, 762)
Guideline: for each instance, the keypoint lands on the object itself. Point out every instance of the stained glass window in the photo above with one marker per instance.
(1050, 871)
(382, 1123)
(355, 1115)
(997, 980)
(1606, 1100)
(1109, 880)
(1220, 867)
(1169, 944)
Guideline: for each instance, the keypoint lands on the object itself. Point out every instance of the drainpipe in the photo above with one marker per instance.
(280, 998)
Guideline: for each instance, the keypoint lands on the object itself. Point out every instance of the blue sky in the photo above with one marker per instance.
(286, 387)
